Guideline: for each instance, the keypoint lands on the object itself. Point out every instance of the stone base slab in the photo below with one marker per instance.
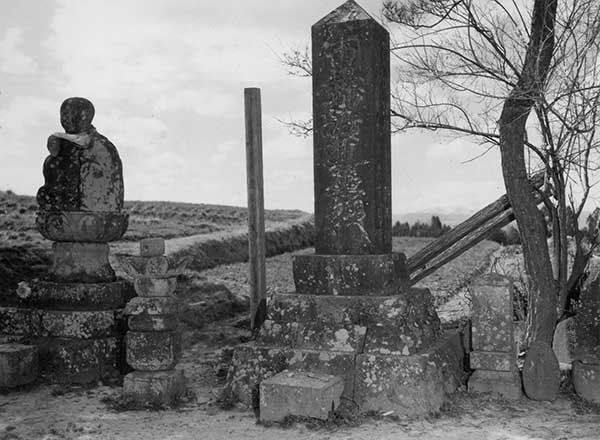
(18, 321)
(82, 226)
(349, 275)
(401, 324)
(586, 379)
(81, 262)
(410, 385)
(30, 322)
(73, 296)
(65, 360)
(155, 388)
(18, 364)
(505, 383)
(301, 394)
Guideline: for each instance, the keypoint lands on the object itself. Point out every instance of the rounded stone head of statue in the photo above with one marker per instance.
(76, 115)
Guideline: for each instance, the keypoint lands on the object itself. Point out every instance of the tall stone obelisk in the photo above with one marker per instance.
(352, 160)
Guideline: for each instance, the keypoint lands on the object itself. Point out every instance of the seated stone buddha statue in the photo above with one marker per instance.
(84, 171)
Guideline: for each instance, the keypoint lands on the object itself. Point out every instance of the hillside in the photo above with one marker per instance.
(25, 254)
(146, 219)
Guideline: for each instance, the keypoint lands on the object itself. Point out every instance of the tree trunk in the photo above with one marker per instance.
(512, 126)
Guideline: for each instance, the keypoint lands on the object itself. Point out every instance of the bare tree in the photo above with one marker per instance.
(511, 76)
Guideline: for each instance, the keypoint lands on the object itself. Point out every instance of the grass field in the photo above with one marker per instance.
(146, 219)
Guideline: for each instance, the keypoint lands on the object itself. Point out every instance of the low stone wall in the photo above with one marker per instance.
(233, 248)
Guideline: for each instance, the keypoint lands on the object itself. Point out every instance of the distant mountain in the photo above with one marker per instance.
(448, 217)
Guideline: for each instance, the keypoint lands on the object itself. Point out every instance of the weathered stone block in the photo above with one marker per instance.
(153, 351)
(299, 393)
(505, 383)
(81, 262)
(159, 305)
(155, 387)
(409, 385)
(489, 360)
(152, 247)
(74, 296)
(18, 364)
(492, 315)
(151, 287)
(347, 275)
(82, 226)
(251, 364)
(586, 379)
(152, 323)
(71, 360)
(16, 321)
(351, 113)
(78, 324)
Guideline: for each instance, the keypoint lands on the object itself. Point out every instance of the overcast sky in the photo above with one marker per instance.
(167, 79)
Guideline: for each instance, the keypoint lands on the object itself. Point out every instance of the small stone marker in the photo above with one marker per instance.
(494, 352)
(541, 372)
(301, 394)
(18, 364)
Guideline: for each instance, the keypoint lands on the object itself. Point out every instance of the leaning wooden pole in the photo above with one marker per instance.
(495, 215)
(256, 207)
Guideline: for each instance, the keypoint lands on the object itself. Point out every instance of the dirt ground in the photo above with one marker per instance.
(53, 412)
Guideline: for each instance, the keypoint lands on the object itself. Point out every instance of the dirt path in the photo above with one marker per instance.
(173, 245)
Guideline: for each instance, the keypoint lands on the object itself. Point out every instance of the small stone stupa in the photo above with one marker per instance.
(352, 315)
(74, 315)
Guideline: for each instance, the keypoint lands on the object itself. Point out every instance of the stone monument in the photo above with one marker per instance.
(352, 314)
(74, 315)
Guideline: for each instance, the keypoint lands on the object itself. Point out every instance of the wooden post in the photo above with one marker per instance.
(256, 207)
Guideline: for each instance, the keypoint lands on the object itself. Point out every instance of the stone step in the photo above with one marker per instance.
(18, 364)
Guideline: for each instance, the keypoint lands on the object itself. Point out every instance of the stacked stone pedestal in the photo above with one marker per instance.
(389, 350)
(494, 356)
(153, 342)
(74, 316)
